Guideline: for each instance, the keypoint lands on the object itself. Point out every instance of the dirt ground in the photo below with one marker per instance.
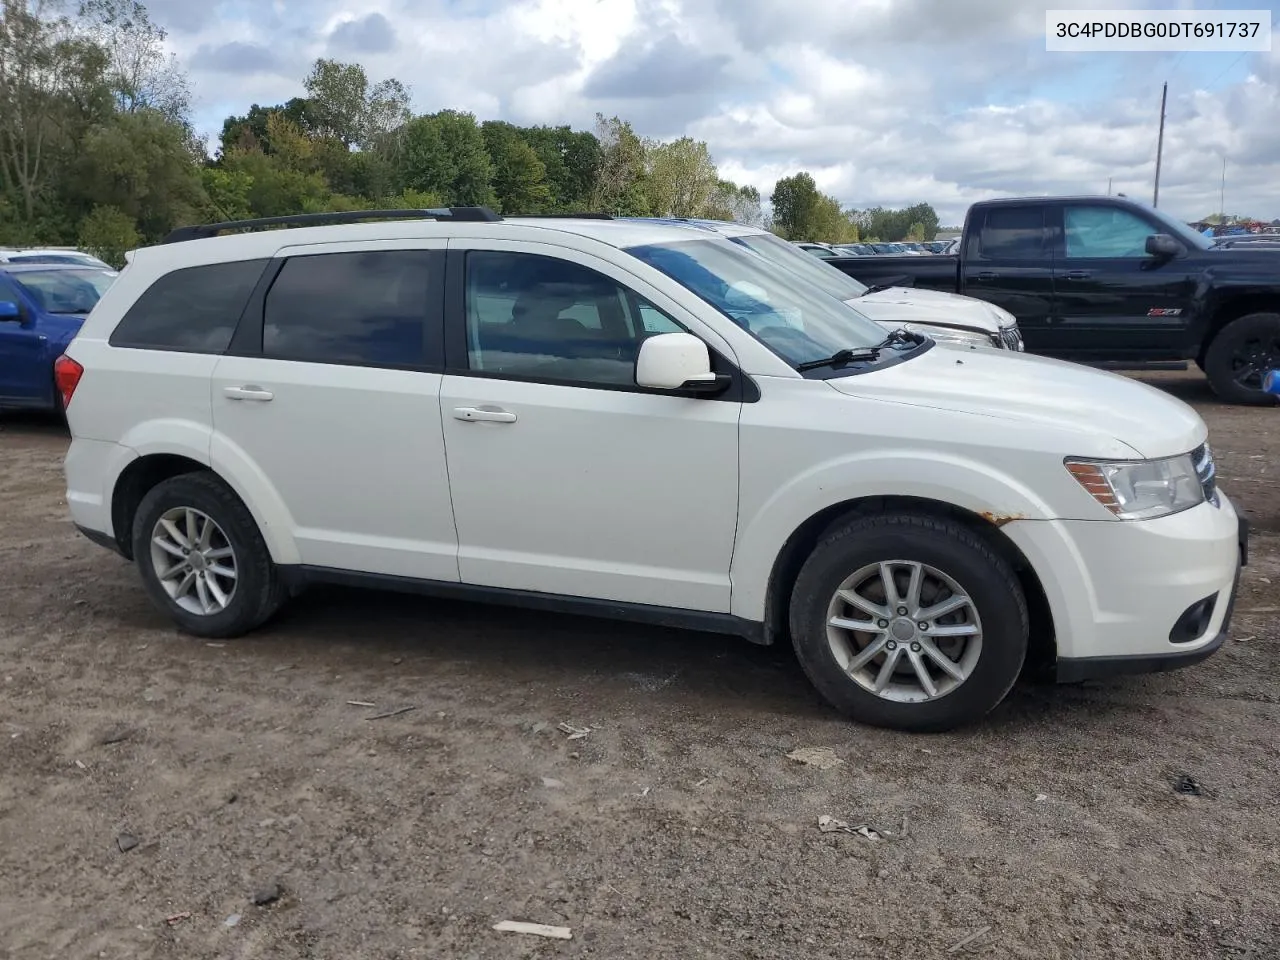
(677, 827)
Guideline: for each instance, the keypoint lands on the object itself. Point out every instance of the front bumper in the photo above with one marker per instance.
(1141, 596)
(1097, 668)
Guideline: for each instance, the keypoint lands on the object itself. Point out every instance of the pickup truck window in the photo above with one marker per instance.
(1013, 233)
(1105, 232)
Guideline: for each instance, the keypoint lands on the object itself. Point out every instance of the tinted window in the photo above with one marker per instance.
(1105, 232)
(536, 316)
(193, 310)
(1013, 233)
(66, 291)
(367, 308)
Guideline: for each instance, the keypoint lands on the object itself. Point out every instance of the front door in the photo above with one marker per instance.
(25, 378)
(335, 405)
(1113, 299)
(1009, 262)
(567, 479)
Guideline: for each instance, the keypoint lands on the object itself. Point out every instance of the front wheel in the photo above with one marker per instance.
(910, 622)
(1241, 355)
(202, 558)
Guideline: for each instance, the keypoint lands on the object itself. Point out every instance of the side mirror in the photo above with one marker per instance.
(677, 361)
(1163, 245)
(9, 311)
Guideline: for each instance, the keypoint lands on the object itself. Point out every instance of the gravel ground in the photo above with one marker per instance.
(677, 827)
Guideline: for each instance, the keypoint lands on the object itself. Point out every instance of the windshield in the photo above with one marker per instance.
(830, 280)
(777, 307)
(66, 291)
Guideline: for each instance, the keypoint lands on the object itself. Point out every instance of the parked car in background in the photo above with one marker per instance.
(643, 421)
(944, 317)
(41, 308)
(855, 250)
(1111, 280)
(822, 250)
(51, 255)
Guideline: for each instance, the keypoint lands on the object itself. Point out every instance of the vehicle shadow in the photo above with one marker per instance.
(30, 423)
(498, 652)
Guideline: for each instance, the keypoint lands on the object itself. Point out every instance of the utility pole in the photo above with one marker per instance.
(1164, 96)
(1222, 193)
(1109, 179)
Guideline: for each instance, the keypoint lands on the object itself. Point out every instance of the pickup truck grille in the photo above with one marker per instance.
(1207, 472)
(1011, 338)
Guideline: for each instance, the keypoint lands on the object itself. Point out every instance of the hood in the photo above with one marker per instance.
(1031, 389)
(899, 305)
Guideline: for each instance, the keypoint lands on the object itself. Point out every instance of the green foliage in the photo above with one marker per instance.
(519, 175)
(108, 233)
(445, 153)
(802, 212)
(894, 225)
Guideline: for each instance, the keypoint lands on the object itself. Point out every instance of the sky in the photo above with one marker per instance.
(885, 102)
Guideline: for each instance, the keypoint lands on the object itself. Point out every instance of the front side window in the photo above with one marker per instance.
(366, 308)
(193, 310)
(777, 307)
(536, 316)
(1013, 233)
(1104, 232)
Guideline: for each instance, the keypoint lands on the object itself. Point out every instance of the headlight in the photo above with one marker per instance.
(1140, 489)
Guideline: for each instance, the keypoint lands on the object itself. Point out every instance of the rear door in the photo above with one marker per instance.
(330, 393)
(1113, 299)
(1008, 261)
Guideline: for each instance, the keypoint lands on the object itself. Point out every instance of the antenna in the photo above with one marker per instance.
(1164, 96)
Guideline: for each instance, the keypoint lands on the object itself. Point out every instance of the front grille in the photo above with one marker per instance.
(1207, 472)
(1011, 337)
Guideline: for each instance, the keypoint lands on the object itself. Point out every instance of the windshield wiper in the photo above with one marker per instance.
(847, 356)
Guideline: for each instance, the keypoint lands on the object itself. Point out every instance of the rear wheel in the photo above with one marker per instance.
(1240, 356)
(910, 622)
(202, 558)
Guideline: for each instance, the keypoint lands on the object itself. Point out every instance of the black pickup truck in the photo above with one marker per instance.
(1107, 280)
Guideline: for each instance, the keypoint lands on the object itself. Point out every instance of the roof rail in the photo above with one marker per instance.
(457, 214)
(564, 216)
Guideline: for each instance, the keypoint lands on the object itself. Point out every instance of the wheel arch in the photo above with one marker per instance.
(1232, 308)
(1042, 651)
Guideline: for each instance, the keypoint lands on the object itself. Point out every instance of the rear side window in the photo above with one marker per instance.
(1013, 233)
(360, 309)
(194, 310)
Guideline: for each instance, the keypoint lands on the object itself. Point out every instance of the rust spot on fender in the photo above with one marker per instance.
(1000, 519)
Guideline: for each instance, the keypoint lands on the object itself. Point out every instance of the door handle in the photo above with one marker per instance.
(483, 415)
(1078, 275)
(247, 393)
(988, 275)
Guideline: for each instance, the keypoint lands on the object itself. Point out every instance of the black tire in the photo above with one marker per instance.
(259, 591)
(948, 547)
(1242, 343)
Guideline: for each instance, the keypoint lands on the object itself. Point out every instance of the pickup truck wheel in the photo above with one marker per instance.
(202, 558)
(1240, 355)
(910, 622)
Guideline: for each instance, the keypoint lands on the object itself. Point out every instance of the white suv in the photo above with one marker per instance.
(633, 420)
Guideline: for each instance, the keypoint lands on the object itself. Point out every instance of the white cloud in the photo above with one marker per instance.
(884, 101)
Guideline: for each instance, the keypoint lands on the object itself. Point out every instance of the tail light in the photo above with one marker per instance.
(66, 377)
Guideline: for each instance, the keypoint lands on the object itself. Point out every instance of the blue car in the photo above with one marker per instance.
(41, 308)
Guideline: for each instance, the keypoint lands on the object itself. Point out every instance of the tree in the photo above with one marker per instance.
(343, 106)
(572, 159)
(795, 202)
(141, 164)
(739, 204)
(140, 73)
(250, 130)
(916, 232)
(619, 185)
(444, 153)
(680, 178)
(519, 175)
(108, 233)
(49, 79)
